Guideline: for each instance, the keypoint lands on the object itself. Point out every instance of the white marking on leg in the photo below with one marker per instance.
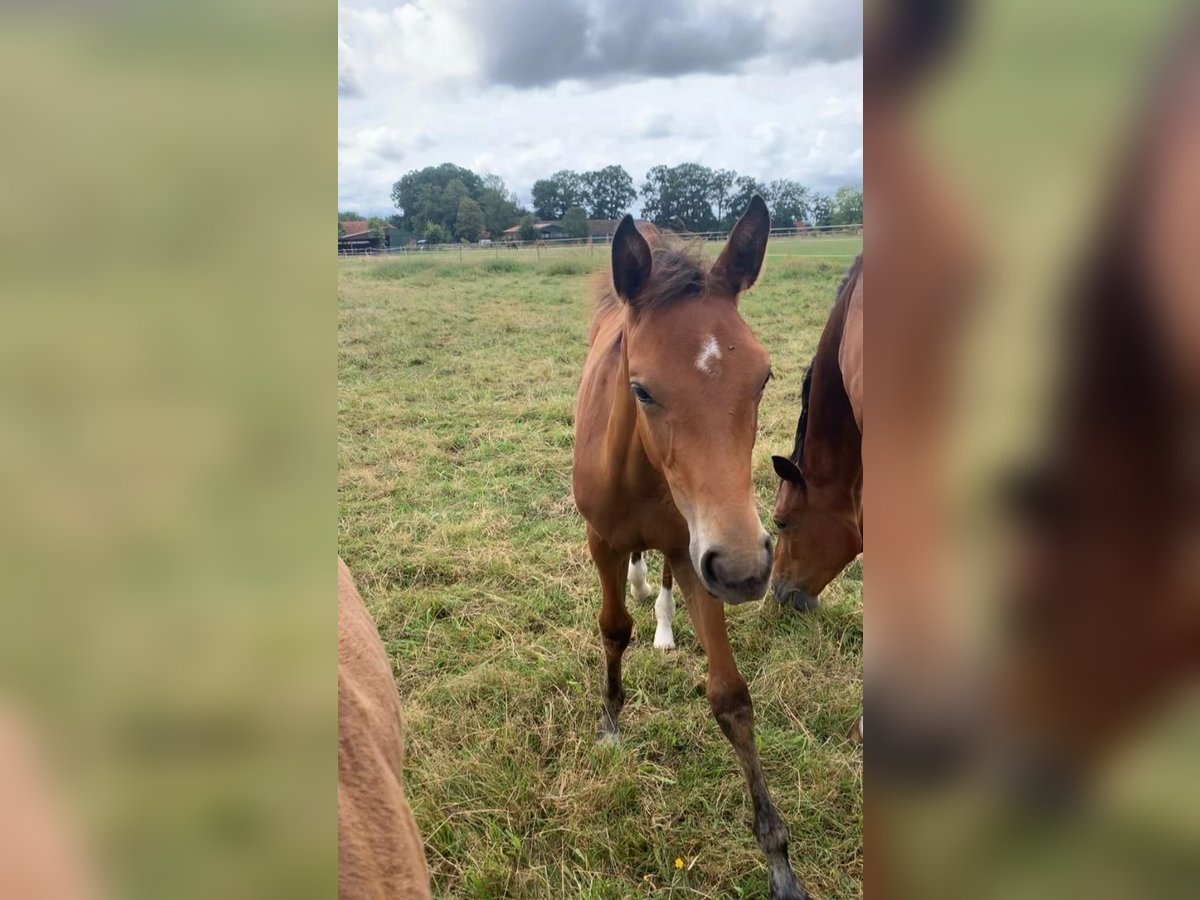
(637, 581)
(664, 611)
(710, 354)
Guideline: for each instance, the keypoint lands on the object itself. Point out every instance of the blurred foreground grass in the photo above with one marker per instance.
(167, 392)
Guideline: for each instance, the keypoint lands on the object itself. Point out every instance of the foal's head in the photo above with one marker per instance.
(697, 375)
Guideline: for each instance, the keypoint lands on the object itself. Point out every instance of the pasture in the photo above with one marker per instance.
(456, 383)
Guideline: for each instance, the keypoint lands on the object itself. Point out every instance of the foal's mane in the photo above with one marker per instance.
(679, 270)
(843, 292)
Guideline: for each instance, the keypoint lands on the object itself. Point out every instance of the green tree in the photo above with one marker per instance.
(377, 227)
(575, 222)
(680, 197)
(433, 194)
(847, 206)
(821, 211)
(553, 196)
(788, 201)
(468, 224)
(499, 205)
(720, 190)
(741, 193)
(453, 194)
(434, 233)
(348, 216)
(527, 232)
(609, 192)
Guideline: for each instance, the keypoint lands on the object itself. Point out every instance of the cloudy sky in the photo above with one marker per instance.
(523, 88)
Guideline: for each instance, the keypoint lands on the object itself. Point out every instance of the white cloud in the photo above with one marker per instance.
(423, 98)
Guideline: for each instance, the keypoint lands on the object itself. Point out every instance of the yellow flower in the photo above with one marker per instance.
(678, 863)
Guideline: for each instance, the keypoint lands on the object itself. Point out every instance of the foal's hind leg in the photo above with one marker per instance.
(638, 586)
(616, 626)
(664, 612)
(729, 700)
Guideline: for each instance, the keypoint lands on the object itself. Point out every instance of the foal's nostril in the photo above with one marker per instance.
(708, 564)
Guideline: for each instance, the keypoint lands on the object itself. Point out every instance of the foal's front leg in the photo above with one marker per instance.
(616, 627)
(730, 702)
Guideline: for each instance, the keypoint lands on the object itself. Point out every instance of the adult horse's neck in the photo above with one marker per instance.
(832, 454)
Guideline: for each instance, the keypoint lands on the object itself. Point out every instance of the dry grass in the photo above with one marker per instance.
(456, 385)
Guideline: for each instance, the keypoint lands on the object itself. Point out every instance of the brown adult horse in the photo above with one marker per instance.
(379, 847)
(664, 428)
(818, 508)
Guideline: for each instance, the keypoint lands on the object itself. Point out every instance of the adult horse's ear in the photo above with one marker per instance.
(741, 260)
(631, 261)
(787, 470)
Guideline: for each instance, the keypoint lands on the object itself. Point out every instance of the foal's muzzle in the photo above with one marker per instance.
(737, 577)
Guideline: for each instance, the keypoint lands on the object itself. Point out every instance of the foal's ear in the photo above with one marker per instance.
(630, 261)
(740, 262)
(787, 470)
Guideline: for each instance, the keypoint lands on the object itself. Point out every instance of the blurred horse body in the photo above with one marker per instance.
(379, 848)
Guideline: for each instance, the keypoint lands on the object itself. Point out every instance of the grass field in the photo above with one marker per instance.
(456, 387)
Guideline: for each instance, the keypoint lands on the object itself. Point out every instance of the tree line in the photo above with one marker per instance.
(450, 203)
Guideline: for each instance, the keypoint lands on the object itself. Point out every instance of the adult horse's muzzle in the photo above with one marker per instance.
(794, 596)
(737, 577)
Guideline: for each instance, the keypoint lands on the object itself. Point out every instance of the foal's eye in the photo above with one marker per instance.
(641, 393)
(780, 526)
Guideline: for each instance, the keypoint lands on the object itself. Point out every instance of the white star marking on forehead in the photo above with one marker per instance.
(709, 354)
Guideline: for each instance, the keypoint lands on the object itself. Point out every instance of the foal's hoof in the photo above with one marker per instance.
(856, 731)
(607, 731)
(793, 891)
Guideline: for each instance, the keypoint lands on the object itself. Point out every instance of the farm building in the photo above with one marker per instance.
(547, 231)
(602, 230)
(598, 230)
(356, 237)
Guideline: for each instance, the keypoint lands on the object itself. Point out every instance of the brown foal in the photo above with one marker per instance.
(664, 428)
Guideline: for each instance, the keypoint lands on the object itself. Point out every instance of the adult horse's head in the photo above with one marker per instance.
(819, 535)
(697, 374)
(818, 509)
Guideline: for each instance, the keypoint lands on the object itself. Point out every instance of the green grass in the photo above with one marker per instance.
(456, 387)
